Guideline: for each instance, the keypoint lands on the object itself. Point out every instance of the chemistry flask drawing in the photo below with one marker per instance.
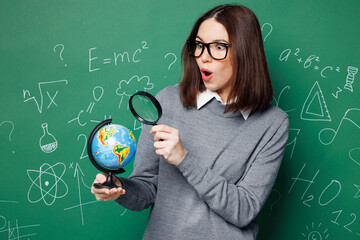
(47, 141)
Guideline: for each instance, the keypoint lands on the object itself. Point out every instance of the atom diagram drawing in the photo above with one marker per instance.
(47, 183)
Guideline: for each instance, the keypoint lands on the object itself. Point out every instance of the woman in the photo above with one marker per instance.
(208, 167)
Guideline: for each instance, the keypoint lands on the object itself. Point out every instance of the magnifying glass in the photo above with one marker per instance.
(145, 107)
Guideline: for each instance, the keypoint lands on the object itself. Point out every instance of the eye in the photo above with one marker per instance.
(199, 44)
(220, 46)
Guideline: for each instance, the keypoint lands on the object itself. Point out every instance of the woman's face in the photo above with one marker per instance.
(216, 74)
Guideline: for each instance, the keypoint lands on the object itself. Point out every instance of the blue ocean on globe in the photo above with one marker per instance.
(113, 146)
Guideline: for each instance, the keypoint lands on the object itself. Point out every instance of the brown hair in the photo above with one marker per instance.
(251, 85)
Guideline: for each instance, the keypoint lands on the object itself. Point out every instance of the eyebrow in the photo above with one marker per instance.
(216, 40)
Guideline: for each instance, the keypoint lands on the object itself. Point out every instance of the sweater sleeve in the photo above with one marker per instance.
(141, 186)
(239, 203)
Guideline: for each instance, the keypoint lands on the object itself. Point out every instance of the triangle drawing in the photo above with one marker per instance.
(314, 108)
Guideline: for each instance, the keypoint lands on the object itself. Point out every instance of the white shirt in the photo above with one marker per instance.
(207, 95)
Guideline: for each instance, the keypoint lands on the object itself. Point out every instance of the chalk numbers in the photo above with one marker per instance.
(310, 62)
(345, 221)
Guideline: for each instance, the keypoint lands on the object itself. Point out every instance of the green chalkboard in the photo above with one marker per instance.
(67, 65)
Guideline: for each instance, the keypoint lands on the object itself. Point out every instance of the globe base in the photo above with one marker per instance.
(109, 184)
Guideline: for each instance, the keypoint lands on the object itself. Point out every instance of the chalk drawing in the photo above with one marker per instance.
(98, 93)
(175, 58)
(293, 131)
(357, 195)
(311, 62)
(123, 57)
(47, 142)
(278, 197)
(137, 125)
(39, 103)
(8, 201)
(83, 153)
(345, 220)
(354, 155)
(327, 135)
(61, 46)
(352, 71)
(10, 232)
(315, 233)
(314, 107)
(78, 174)
(336, 95)
(269, 26)
(98, 121)
(12, 127)
(129, 87)
(11, 131)
(277, 101)
(100, 90)
(47, 183)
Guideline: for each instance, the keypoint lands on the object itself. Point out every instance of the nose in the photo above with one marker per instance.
(205, 56)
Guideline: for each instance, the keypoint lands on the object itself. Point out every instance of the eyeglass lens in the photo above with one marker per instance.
(216, 50)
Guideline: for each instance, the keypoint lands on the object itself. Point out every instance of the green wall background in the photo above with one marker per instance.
(72, 64)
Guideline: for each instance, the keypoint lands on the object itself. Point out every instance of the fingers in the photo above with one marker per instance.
(164, 132)
(104, 193)
(162, 128)
(107, 194)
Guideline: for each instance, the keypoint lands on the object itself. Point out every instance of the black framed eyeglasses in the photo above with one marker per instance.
(217, 50)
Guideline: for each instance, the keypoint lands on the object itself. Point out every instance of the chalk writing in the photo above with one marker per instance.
(61, 46)
(311, 62)
(269, 26)
(98, 93)
(277, 101)
(116, 59)
(292, 132)
(12, 129)
(349, 221)
(27, 95)
(175, 58)
(83, 153)
(16, 231)
(327, 196)
(336, 95)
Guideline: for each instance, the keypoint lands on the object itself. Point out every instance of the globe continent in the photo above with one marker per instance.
(113, 146)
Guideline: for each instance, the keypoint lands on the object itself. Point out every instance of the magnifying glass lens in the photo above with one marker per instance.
(145, 108)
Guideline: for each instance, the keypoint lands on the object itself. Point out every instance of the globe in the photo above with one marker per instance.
(113, 146)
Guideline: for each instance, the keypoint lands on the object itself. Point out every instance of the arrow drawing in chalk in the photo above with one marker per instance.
(78, 174)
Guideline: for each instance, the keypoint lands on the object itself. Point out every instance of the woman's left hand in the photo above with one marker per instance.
(168, 144)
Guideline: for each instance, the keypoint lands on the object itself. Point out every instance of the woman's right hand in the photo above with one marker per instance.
(106, 194)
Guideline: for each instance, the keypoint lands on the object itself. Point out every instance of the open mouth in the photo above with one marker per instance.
(206, 74)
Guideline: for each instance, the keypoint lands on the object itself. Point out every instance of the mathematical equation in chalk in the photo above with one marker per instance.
(313, 62)
(116, 58)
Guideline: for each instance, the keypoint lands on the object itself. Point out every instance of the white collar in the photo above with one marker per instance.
(207, 95)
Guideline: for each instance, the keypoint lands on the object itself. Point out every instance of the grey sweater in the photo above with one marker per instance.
(223, 181)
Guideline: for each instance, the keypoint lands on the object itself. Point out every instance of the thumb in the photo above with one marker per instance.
(101, 178)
